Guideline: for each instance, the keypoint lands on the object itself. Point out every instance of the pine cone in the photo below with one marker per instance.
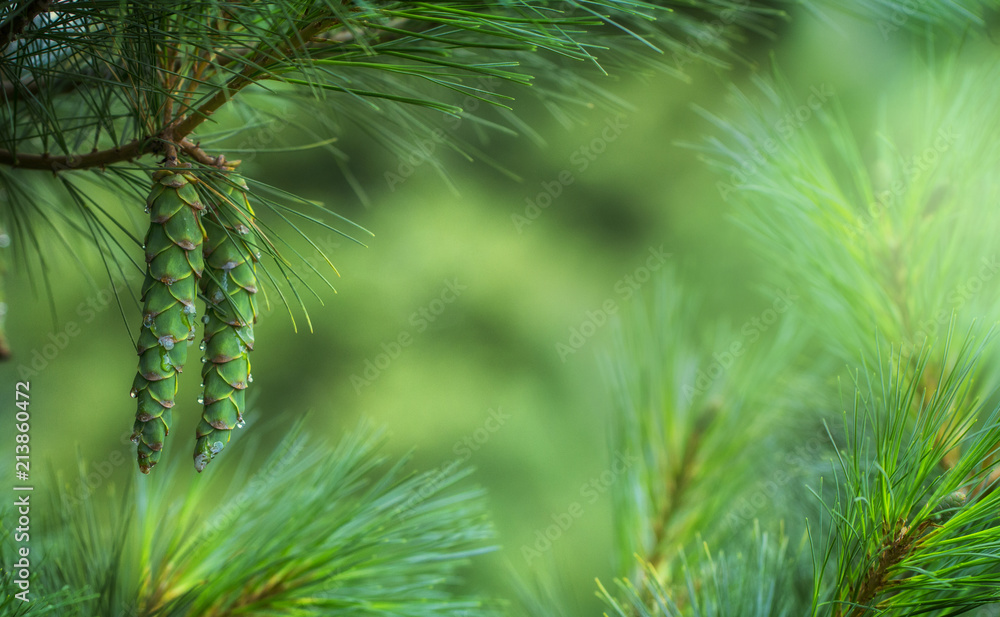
(174, 265)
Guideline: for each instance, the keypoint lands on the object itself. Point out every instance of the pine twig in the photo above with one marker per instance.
(10, 31)
(175, 130)
(893, 551)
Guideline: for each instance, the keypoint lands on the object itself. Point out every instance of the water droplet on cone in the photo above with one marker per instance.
(134, 392)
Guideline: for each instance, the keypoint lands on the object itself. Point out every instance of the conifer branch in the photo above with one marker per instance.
(894, 549)
(22, 16)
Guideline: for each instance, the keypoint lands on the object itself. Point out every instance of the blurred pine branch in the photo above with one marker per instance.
(314, 530)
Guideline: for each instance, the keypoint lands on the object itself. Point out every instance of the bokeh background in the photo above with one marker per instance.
(492, 351)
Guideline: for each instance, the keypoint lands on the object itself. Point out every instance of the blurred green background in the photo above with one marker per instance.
(492, 350)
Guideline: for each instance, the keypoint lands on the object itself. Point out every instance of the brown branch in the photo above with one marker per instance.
(25, 15)
(175, 132)
(681, 482)
(246, 77)
(194, 151)
(894, 549)
(98, 158)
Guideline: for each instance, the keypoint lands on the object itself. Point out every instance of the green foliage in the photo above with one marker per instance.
(312, 531)
(877, 232)
(679, 390)
(713, 586)
(913, 524)
(105, 85)
(954, 16)
(868, 232)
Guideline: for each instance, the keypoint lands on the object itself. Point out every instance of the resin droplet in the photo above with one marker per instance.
(250, 377)
(240, 423)
(217, 447)
(204, 319)
(201, 400)
(202, 347)
(167, 342)
(147, 319)
(135, 438)
(134, 392)
(200, 461)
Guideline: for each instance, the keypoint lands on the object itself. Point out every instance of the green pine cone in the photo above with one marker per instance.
(174, 264)
(229, 285)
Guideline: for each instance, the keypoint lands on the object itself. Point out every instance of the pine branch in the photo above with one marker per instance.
(895, 548)
(900, 537)
(750, 582)
(678, 424)
(18, 20)
(176, 130)
(313, 530)
(868, 236)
